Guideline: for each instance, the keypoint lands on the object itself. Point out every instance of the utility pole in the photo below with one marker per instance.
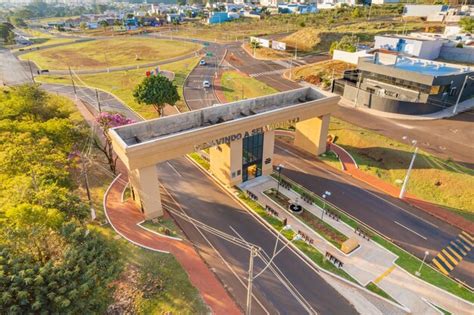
(358, 89)
(86, 182)
(98, 101)
(72, 80)
(407, 176)
(253, 254)
(31, 71)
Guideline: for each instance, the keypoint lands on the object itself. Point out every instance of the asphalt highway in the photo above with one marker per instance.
(198, 197)
(407, 226)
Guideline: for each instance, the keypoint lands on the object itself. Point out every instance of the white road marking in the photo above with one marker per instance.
(172, 167)
(418, 234)
(347, 181)
(279, 275)
(403, 125)
(215, 250)
(294, 166)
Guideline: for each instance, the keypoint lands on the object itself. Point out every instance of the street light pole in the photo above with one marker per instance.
(253, 254)
(407, 176)
(418, 273)
(325, 195)
(279, 169)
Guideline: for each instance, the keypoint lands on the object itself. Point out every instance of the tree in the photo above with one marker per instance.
(106, 121)
(83, 26)
(104, 24)
(356, 13)
(254, 45)
(156, 90)
(467, 24)
(346, 43)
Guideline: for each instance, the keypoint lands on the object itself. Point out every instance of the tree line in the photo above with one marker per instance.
(51, 260)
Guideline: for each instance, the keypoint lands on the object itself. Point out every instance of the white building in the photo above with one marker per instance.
(384, 1)
(422, 10)
(416, 45)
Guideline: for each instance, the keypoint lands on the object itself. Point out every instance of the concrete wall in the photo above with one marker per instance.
(368, 100)
(457, 54)
(262, 41)
(420, 10)
(349, 57)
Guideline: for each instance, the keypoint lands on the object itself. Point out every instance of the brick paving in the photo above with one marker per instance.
(351, 167)
(124, 216)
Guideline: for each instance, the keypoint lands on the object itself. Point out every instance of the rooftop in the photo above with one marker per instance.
(166, 127)
(421, 66)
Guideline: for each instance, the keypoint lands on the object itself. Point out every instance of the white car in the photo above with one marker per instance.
(202, 62)
(206, 84)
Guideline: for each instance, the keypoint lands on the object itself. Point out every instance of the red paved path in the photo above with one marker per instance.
(124, 216)
(435, 210)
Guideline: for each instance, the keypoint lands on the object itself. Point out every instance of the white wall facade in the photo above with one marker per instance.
(349, 57)
(425, 49)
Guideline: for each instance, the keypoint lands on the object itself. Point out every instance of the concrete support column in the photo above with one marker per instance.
(226, 162)
(311, 134)
(268, 146)
(146, 189)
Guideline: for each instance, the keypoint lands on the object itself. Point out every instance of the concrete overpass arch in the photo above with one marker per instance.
(239, 136)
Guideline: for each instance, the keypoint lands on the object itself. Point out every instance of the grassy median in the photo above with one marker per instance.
(237, 86)
(122, 83)
(106, 53)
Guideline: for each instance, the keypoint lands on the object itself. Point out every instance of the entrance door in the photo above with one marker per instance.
(252, 156)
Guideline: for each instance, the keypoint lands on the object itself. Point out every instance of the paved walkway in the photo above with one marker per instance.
(124, 217)
(350, 166)
(369, 263)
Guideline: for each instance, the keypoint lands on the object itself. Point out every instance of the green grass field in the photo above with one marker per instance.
(237, 86)
(122, 83)
(435, 180)
(107, 53)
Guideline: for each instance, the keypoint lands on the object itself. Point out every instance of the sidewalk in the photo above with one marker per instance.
(369, 263)
(350, 166)
(124, 218)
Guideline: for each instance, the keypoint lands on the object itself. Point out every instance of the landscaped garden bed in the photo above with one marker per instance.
(322, 228)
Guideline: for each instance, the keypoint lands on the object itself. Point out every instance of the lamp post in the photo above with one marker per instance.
(460, 93)
(279, 168)
(325, 195)
(407, 176)
(418, 273)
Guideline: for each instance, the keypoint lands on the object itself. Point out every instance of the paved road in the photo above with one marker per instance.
(198, 196)
(12, 72)
(446, 138)
(409, 227)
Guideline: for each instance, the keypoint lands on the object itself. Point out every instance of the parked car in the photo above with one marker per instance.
(202, 62)
(206, 84)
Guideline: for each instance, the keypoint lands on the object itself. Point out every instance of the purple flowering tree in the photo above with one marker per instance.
(107, 120)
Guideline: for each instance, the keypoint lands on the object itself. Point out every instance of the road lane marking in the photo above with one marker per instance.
(280, 275)
(467, 235)
(294, 166)
(414, 232)
(174, 169)
(437, 264)
(452, 251)
(349, 182)
(451, 258)
(215, 250)
(445, 261)
(461, 245)
(384, 274)
(463, 238)
(456, 246)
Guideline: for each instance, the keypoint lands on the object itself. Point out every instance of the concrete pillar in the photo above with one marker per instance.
(311, 134)
(226, 162)
(146, 189)
(267, 157)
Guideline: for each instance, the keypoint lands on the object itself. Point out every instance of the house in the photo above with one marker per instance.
(384, 1)
(218, 17)
(297, 8)
(411, 86)
(416, 45)
(174, 18)
(422, 10)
